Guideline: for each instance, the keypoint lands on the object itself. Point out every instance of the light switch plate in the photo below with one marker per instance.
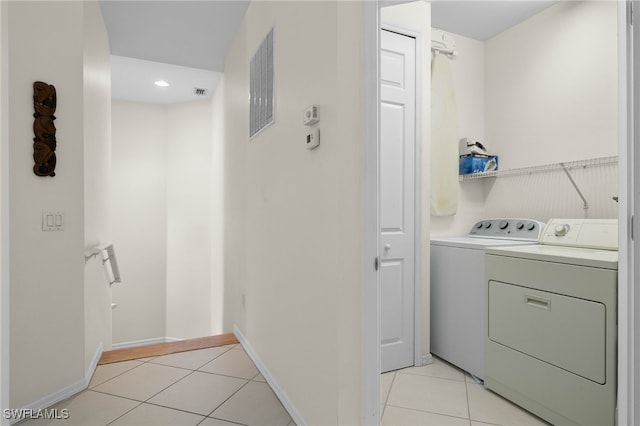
(52, 220)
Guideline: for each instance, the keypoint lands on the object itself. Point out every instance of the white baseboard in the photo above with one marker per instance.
(144, 342)
(280, 393)
(94, 364)
(425, 360)
(68, 391)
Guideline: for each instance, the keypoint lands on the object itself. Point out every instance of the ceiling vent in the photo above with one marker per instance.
(200, 92)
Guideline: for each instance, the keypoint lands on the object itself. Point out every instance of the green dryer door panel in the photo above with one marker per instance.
(564, 331)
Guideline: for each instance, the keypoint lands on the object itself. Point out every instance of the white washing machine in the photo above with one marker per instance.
(551, 322)
(457, 288)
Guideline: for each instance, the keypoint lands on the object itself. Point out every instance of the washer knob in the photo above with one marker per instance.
(561, 230)
(531, 226)
(503, 224)
(479, 225)
(487, 225)
(520, 225)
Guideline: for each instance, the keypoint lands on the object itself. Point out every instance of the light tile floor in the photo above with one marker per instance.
(207, 387)
(221, 387)
(441, 394)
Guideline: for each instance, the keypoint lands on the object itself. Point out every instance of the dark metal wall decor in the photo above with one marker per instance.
(44, 142)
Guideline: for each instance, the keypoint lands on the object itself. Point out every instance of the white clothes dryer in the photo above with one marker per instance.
(551, 322)
(457, 288)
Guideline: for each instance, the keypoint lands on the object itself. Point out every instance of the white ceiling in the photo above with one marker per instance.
(133, 80)
(193, 34)
(187, 41)
(481, 20)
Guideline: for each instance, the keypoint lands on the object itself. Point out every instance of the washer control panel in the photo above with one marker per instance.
(587, 233)
(512, 229)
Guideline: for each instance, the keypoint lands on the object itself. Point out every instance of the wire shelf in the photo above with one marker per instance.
(592, 162)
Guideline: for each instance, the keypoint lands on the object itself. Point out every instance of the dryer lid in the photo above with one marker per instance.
(599, 234)
(578, 256)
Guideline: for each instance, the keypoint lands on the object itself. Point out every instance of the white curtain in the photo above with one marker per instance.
(444, 139)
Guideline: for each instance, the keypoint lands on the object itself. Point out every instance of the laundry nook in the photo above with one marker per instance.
(523, 181)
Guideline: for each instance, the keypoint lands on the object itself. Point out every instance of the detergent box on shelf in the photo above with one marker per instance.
(477, 164)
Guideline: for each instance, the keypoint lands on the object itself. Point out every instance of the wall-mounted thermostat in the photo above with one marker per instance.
(310, 116)
(313, 138)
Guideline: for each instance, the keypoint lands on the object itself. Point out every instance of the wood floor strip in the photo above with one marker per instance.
(158, 349)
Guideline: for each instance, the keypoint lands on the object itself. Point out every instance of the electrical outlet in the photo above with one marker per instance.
(244, 300)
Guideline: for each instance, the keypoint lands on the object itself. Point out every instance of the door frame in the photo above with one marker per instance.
(417, 178)
(628, 405)
(633, 265)
(371, 308)
(371, 296)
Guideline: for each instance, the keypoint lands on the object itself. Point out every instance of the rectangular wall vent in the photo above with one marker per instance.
(261, 86)
(200, 92)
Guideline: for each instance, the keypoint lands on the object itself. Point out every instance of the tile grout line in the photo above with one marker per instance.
(206, 372)
(150, 362)
(116, 396)
(125, 413)
(228, 421)
(191, 369)
(200, 414)
(432, 377)
(232, 377)
(228, 398)
(167, 387)
(430, 412)
(111, 378)
(466, 393)
(147, 401)
(111, 394)
(234, 393)
(205, 416)
(386, 400)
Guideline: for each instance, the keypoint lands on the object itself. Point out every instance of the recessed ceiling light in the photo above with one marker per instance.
(161, 83)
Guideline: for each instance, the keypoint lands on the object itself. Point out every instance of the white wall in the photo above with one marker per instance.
(47, 268)
(139, 219)
(189, 218)
(293, 217)
(416, 17)
(551, 87)
(167, 228)
(550, 95)
(97, 178)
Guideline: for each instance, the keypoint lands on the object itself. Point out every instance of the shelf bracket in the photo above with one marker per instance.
(573, 182)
